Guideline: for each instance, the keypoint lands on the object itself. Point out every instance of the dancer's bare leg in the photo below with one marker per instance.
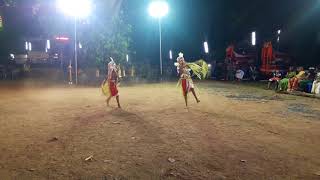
(108, 100)
(186, 99)
(118, 101)
(194, 94)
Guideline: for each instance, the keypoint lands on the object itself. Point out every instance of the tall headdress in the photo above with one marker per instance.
(180, 57)
(112, 65)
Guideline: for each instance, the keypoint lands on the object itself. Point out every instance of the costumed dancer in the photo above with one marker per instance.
(109, 85)
(199, 68)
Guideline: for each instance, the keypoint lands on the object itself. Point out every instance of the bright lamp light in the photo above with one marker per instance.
(158, 9)
(206, 47)
(279, 31)
(48, 44)
(77, 8)
(29, 46)
(253, 38)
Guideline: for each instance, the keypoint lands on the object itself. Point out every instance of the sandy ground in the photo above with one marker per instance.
(236, 132)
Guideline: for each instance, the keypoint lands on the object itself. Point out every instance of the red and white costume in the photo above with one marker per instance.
(112, 78)
(185, 77)
(109, 88)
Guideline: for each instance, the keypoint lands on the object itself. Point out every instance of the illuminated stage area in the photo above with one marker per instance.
(236, 131)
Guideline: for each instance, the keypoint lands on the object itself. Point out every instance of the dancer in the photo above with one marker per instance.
(199, 68)
(110, 83)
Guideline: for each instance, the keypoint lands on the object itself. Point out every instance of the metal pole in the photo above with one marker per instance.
(70, 71)
(75, 49)
(61, 63)
(160, 47)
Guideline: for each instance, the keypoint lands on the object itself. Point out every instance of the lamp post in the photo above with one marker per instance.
(77, 9)
(158, 9)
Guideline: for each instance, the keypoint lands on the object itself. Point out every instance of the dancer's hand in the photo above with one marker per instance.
(103, 82)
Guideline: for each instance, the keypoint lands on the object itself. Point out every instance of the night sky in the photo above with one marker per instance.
(220, 22)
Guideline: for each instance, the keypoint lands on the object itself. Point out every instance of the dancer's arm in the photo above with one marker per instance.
(104, 81)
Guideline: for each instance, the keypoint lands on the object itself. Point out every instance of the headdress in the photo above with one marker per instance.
(112, 65)
(180, 57)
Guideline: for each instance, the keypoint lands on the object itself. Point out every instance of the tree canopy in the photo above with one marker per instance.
(105, 33)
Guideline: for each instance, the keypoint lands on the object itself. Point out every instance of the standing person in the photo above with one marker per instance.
(230, 72)
(213, 69)
(110, 83)
(199, 68)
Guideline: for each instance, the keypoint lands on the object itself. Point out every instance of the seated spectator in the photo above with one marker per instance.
(283, 83)
(239, 74)
(306, 84)
(294, 82)
(316, 84)
(312, 73)
(275, 79)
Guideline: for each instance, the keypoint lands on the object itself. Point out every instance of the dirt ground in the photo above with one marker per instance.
(236, 132)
